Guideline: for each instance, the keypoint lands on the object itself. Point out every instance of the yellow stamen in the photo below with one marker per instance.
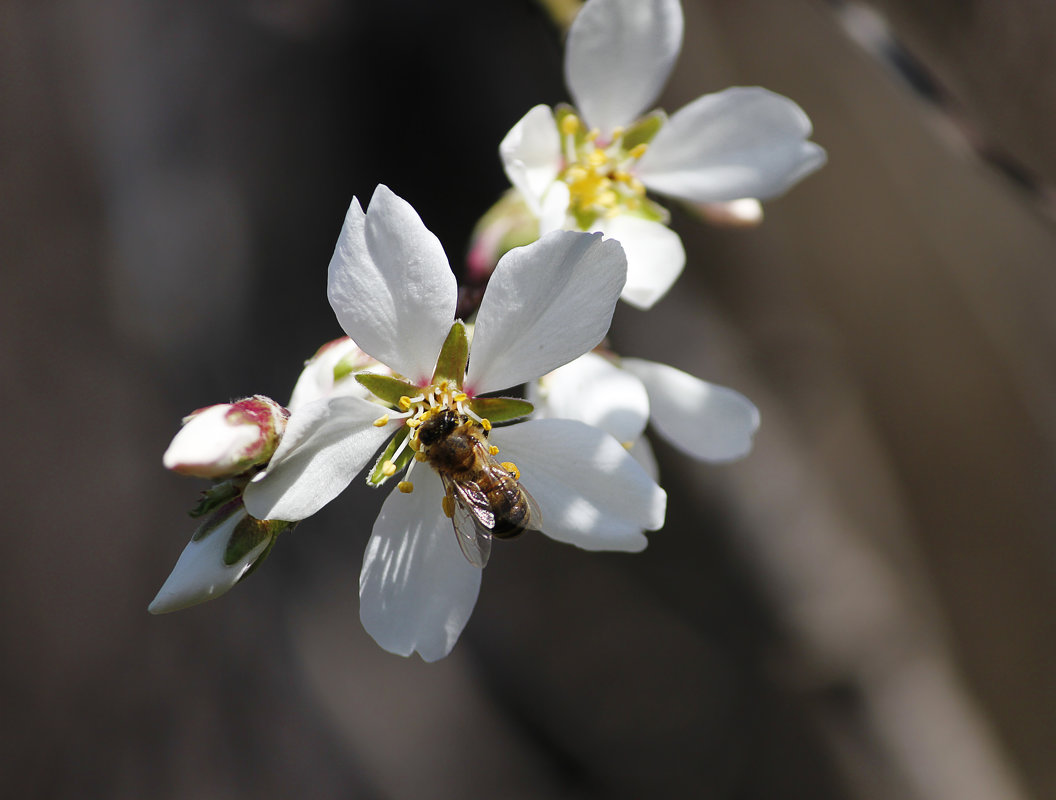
(493, 450)
(388, 469)
(627, 445)
(448, 505)
(381, 421)
(597, 158)
(413, 422)
(569, 124)
(511, 468)
(404, 403)
(405, 486)
(638, 150)
(485, 423)
(461, 397)
(419, 456)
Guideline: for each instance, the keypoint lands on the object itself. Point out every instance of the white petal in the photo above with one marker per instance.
(590, 491)
(200, 573)
(325, 445)
(701, 419)
(554, 211)
(416, 590)
(655, 257)
(531, 155)
(642, 451)
(618, 56)
(593, 390)
(546, 304)
(742, 142)
(390, 285)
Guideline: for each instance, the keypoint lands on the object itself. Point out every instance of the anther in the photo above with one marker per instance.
(388, 469)
(405, 486)
(569, 124)
(485, 423)
(448, 505)
(461, 397)
(404, 403)
(638, 150)
(493, 450)
(381, 421)
(511, 468)
(419, 456)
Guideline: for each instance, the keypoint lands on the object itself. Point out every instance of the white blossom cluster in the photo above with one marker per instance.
(412, 394)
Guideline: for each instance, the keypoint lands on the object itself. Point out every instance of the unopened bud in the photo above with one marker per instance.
(224, 440)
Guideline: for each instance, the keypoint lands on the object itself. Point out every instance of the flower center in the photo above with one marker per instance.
(598, 174)
(431, 401)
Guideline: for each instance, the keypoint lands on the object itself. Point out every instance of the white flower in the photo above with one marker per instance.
(224, 440)
(589, 170)
(705, 421)
(394, 294)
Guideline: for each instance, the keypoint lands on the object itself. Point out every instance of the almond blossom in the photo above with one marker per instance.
(394, 294)
(588, 168)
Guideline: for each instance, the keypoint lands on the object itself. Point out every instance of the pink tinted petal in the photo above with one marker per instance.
(702, 419)
(742, 142)
(618, 56)
(589, 489)
(546, 304)
(416, 589)
(390, 285)
(326, 444)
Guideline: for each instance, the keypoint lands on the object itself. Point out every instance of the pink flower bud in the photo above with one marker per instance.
(224, 440)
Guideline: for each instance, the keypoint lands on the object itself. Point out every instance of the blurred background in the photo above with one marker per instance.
(863, 608)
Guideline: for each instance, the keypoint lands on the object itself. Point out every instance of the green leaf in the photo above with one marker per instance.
(451, 364)
(500, 409)
(377, 477)
(387, 388)
(643, 131)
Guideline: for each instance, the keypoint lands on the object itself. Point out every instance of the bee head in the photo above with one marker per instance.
(437, 427)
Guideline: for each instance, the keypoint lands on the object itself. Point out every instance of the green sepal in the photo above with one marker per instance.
(500, 409)
(652, 211)
(347, 365)
(248, 535)
(387, 388)
(451, 364)
(376, 478)
(214, 497)
(584, 218)
(643, 130)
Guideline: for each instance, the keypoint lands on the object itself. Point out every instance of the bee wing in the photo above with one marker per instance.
(471, 518)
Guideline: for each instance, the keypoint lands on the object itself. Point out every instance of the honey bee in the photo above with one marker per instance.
(483, 498)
